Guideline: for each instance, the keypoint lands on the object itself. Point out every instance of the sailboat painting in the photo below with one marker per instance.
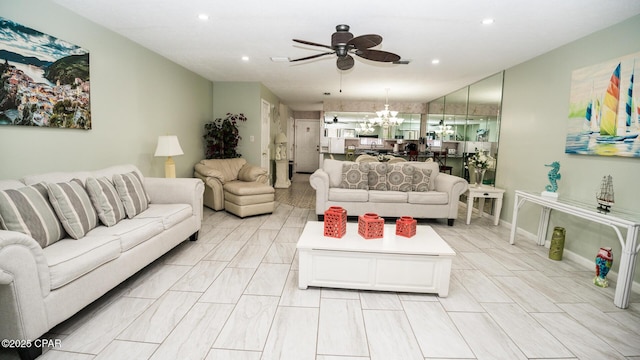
(604, 109)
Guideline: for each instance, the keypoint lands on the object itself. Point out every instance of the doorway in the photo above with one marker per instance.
(307, 145)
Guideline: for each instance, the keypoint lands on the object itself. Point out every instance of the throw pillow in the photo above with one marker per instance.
(400, 177)
(378, 176)
(73, 207)
(27, 210)
(421, 178)
(105, 200)
(355, 176)
(131, 193)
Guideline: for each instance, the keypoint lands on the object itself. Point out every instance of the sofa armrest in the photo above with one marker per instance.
(24, 283)
(176, 191)
(209, 172)
(319, 180)
(454, 186)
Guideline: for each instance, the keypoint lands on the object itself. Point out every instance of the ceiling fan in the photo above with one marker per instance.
(343, 43)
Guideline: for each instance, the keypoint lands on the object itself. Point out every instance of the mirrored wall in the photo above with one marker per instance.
(362, 124)
(463, 122)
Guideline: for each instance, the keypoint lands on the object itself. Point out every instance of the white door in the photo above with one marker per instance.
(265, 137)
(307, 145)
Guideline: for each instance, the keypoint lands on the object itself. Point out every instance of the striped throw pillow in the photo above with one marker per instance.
(132, 193)
(27, 210)
(105, 200)
(73, 207)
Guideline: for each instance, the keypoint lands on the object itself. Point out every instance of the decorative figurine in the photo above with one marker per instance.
(604, 260)
(604, 197)
(554, 176)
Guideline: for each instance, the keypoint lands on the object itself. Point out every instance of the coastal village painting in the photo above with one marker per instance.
(604, 109)
(44, 81)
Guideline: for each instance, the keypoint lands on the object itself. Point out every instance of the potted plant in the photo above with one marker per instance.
(221, 137)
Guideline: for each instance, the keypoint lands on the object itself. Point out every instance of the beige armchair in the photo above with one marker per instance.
(236, 186)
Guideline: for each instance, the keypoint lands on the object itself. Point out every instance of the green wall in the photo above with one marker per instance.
(534, 124)
(136, 95)
(245, 97)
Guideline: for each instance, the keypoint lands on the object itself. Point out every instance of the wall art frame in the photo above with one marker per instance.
(604, 109)
(44, 81)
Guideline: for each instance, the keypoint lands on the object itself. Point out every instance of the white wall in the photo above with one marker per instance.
(136, 95)
(533, 129)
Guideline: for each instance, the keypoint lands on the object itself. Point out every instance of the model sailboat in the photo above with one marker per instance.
(604, 196)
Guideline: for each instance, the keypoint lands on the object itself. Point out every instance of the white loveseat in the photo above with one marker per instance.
(437, 199)
(42, 286)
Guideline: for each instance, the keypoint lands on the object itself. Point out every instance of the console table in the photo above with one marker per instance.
(615, 219)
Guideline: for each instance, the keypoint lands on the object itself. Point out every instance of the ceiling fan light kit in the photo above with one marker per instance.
(344, 44)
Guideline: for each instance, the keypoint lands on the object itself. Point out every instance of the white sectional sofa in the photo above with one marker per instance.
(420, 190)
(43, 280)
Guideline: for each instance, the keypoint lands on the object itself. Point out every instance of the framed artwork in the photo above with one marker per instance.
(604, 109)
(44, 81)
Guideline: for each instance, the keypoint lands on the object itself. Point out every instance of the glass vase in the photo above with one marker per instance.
(479, 176)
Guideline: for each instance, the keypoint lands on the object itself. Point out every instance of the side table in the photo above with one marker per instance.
(482, 192)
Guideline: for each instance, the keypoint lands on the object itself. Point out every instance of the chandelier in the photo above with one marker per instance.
(444, 129)
(365, 127)
(386, 117)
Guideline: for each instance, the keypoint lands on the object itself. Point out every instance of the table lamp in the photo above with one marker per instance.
(168, 146)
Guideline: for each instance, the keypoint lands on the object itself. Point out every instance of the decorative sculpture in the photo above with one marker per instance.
(554, 176)
(604, 260)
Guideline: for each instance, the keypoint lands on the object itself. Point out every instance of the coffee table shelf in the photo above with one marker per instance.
(421, 263)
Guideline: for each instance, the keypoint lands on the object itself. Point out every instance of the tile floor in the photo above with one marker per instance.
(233, 295)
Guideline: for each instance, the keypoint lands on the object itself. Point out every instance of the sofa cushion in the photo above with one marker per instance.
(355, 176)
(353, 195)
(400, 177)
(27, 210)
(428, 198)
(131, 231)
(421, 179)
(243, 188)
(387, 196)
(73, 207)
(378, 176)
(105, 200)
(433, 166)
(170, 214)
(333, 168)
(131, 192)
(70, 259)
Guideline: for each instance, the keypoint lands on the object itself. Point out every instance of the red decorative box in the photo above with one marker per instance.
(406, 226)
(335, 222)
(370, 226)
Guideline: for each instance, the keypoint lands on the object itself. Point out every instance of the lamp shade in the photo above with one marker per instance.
(281, 138)
(168, 146)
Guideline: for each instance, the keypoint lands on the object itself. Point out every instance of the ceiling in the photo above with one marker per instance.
(417, 30)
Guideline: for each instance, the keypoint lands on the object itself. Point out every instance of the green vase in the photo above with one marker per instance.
(557, 243)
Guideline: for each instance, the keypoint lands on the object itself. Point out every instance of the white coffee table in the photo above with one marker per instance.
(421, 263)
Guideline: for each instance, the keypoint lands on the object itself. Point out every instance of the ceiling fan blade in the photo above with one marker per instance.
(378, 55)
(312, 43)
(345, 62)
(313, 56)
(363, 42)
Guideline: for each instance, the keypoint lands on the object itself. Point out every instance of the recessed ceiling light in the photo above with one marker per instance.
(487, 21)
(245, 58)
(203, 17)
(435, 61)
